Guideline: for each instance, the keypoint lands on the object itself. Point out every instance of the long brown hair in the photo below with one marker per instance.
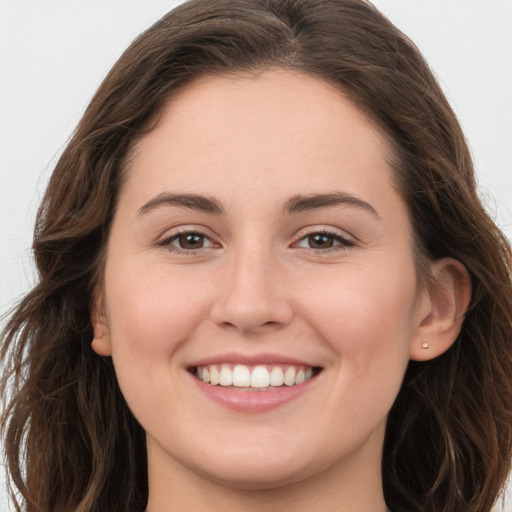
(70, 439)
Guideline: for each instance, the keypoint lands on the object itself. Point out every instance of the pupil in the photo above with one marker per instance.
(191, 241)
(320, 241)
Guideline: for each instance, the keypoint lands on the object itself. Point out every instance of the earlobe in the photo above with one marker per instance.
(101, 345)
(101, 341)
(445, 301)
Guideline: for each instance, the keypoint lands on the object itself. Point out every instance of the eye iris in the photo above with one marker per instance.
(191, 241)
(319, 241)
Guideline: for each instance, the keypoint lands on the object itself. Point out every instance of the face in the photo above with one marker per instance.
(260, 294)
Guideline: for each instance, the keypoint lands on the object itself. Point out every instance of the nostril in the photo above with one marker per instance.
(248, 325)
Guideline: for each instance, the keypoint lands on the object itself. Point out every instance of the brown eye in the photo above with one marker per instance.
(187, 242)
(320, 241)
(324, 241)
(191, 241)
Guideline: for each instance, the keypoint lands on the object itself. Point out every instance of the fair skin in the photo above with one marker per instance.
(259, 226)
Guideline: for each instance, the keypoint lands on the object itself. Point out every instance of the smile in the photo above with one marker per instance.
(254, 378)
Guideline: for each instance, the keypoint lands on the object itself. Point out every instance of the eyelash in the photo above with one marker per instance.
(343, 243)
(167, 242)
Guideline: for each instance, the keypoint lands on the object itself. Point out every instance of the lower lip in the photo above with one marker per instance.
(253, 401)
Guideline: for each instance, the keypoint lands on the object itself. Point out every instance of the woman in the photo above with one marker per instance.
(267, 225)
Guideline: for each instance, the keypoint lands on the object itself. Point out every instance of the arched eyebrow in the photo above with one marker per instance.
(296, 204)
(192, 201)
(301, 203)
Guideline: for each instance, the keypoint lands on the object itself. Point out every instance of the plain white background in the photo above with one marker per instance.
(54, 54)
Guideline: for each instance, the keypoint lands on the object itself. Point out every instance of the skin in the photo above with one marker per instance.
(255, 284)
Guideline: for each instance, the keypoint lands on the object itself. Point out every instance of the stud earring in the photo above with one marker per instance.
(425, 345)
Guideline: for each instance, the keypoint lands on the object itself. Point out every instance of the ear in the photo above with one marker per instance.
(101, 342)
(441, 310)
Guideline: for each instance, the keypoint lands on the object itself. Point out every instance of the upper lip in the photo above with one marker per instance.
(251, 359)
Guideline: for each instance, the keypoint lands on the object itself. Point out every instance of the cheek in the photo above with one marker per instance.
(367, 315)
(368, 322)
(152, 310)
(152, 313)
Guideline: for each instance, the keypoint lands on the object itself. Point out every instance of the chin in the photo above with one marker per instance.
(257, 469)
(251, 478)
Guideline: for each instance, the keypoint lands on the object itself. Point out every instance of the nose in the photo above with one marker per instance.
(252, 297)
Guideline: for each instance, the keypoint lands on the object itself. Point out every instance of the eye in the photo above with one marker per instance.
(324, 240)
(320, 241)
(190, 241)
(187, 241)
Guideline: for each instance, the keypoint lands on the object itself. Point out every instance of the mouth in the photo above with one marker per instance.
(262, 377)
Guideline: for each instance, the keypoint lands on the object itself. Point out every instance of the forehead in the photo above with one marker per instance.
(276, 125)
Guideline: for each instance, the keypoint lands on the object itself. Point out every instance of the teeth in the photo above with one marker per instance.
(226, 376)
(214, 375)
(289, 376)
(257, 377)
(277, 376)
(241, 376)
(260, 378)
(300, 377)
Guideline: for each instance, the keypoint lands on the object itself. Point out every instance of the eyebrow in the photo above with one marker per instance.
(296, 204)
(301, 203)
(192, 201)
